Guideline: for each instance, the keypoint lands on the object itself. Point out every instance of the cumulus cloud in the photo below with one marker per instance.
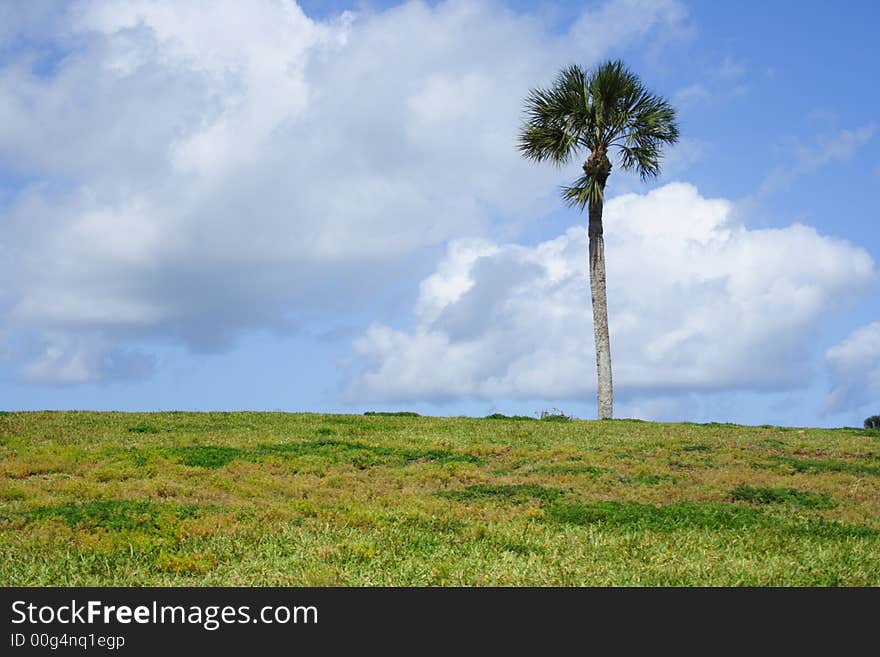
(721, 84)
(855, 370)
(65, 358)
(191, 171)
(698, 302)
(616, 24)
(807, 159)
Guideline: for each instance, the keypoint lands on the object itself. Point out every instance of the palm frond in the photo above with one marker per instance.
(607, 107)
(583, 192)
(634, 119)
(611, 87)
(644, 159)
(555, 118)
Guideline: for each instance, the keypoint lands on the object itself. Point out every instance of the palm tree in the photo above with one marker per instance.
(601, 110)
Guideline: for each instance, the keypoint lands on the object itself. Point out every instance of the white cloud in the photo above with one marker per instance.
(855, 370)
(65, 358)
(731, 69)
(697, 302)
(721, 84)
(657, 409)
(807, 159)
(677, 160)
(199, 169)
(693, 94)
(616, 24)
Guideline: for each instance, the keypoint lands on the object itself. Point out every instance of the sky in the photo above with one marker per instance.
(217, 205)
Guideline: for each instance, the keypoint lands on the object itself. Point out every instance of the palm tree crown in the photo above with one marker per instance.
(605, 108)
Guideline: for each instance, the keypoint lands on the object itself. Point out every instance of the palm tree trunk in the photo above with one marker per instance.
(600, 311)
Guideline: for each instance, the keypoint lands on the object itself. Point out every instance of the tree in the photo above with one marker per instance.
(607, 112)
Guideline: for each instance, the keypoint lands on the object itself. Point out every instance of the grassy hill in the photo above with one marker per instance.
(305, 499)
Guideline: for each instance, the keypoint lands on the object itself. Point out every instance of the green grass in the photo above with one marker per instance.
(635, 516)
(208, 456)
(571, 468)
(330, 450)
(504, 492)
(871, 469)
(238, 499)
(113, 515)
(393, 413)
(760, 495)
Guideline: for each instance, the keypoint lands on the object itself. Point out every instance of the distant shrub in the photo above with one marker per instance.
(393, 413)
(872, 422)
(502, 416)
(143, 428)
(555, 415)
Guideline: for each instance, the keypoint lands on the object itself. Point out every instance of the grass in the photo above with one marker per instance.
(360, 454)
(143, 427)
(112, 515)
(393, 413)
(871, 469)
(673, 517)
(209, 456)
(504, 492)
(762, 495)
(173, 499)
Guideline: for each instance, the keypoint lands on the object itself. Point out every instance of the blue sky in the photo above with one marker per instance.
(319, 207)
